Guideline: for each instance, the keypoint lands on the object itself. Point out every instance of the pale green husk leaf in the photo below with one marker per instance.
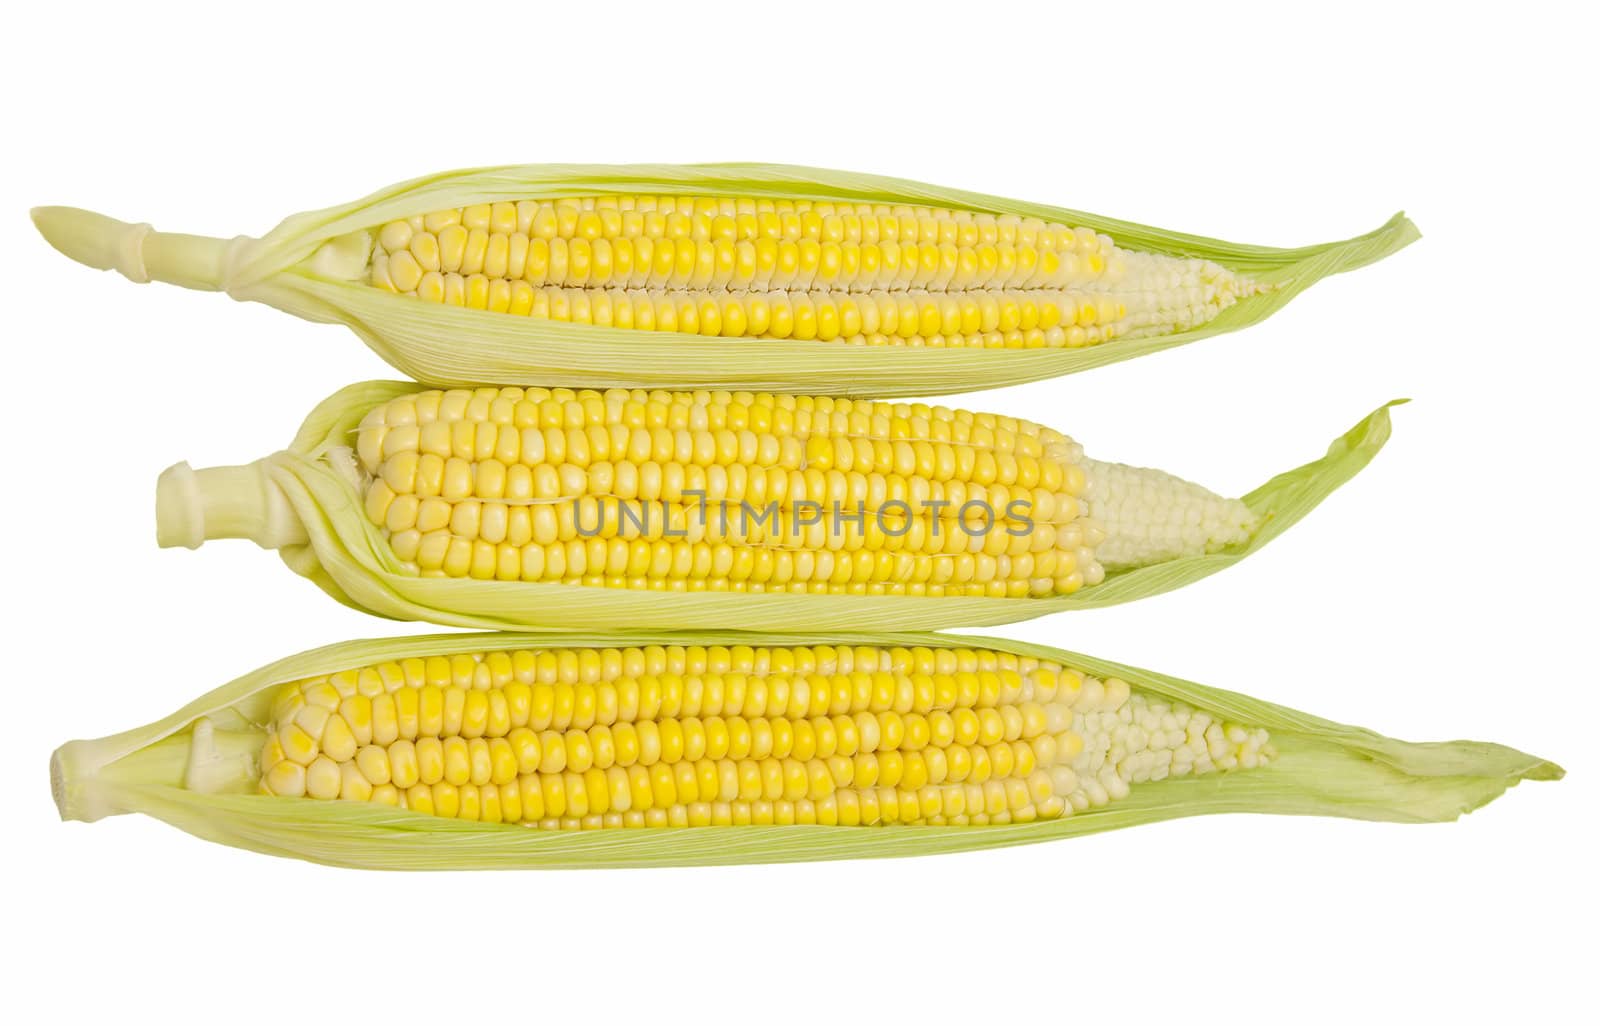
(1323, 768)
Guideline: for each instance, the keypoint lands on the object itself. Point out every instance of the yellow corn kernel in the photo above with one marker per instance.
(742, 735)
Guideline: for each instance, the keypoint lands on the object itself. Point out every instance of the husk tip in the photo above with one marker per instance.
(1544, 770)
(1537, 770)
(1404, 228)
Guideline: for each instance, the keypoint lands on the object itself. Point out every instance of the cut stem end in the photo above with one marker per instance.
(73, 783)
(224, 502)
(136, 251)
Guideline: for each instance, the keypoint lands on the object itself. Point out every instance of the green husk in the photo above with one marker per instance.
(334, 544)
(304, 265)
(1323, 768)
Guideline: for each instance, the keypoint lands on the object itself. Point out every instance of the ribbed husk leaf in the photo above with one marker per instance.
(1323, 768)
(448, 345)
(349, 558)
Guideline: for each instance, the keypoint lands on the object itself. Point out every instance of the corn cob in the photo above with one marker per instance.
(482, 751)
(856, 273)
(600, 277)
(658, 509)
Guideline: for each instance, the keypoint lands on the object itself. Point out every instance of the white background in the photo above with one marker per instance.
(1447, 592)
